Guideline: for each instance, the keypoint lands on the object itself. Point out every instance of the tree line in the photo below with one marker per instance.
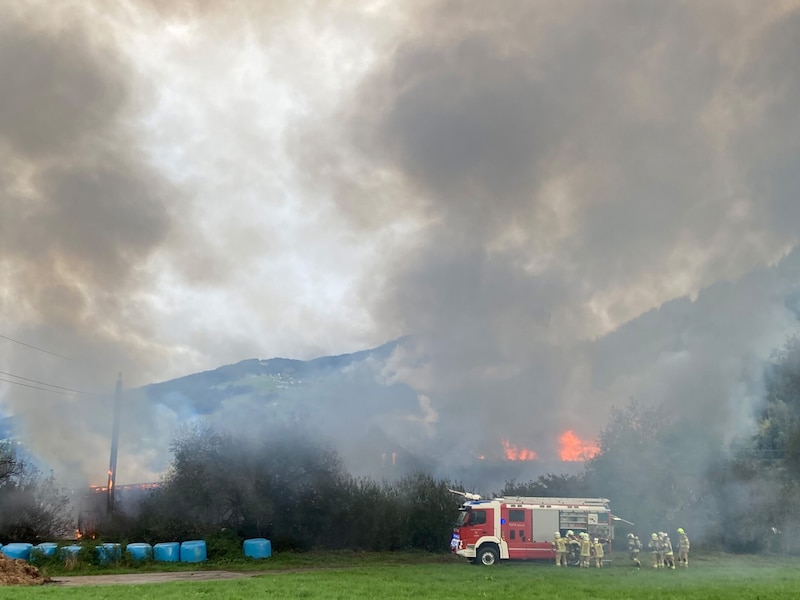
(661, 469)
(290, 488)
(32, 506)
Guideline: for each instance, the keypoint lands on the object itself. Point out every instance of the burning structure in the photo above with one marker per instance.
(92, 504)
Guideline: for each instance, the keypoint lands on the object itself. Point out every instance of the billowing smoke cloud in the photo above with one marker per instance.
(81, 213)
(519, 187)
(579, 165)
(149, 225)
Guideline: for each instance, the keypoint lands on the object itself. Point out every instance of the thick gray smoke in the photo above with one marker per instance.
(81, 212)
(577, 165)
(567, 205)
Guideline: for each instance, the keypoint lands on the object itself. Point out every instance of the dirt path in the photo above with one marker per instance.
(131, 578)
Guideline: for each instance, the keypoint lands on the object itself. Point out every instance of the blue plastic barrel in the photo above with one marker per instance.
(139, 551)
(258, 548)
(193, 551)
(109, 553)
(44, 550)
(166, 551)
(20, 551)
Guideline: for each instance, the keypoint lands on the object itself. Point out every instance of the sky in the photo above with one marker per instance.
(550, 197)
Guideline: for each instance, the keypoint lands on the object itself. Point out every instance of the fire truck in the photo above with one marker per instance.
(523, 528)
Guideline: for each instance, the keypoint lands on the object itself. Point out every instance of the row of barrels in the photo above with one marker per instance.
(192, 551)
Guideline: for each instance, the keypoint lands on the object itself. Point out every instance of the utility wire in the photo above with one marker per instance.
(56, 389)
(5, 337)
(47, 384)
(35, 387)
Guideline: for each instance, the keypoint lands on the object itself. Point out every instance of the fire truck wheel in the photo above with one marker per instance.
(487, 556)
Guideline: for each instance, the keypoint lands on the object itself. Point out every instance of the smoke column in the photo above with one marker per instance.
(565, 206)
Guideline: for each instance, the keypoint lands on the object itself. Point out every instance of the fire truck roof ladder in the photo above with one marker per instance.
(600, 502)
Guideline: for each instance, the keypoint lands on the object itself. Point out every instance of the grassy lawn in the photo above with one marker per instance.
(280, 561)
(415, 576)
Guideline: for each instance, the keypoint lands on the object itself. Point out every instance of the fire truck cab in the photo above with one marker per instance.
(523, 528)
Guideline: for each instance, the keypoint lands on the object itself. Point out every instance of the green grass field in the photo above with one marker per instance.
(415, 576)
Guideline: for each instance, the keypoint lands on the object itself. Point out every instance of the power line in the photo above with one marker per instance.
(45, 383)
(35, 387)
(5, 337)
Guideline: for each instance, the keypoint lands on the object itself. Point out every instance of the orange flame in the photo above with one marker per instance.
(512, 452)
(572, 448)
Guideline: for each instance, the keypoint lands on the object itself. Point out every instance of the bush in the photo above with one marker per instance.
(32, 507)
(291, 489)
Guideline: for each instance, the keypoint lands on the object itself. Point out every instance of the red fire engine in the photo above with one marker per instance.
(523, 528)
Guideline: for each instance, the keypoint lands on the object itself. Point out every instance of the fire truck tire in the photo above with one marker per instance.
(487, 556)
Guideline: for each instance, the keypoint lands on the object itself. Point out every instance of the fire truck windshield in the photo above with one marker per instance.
(471, 517)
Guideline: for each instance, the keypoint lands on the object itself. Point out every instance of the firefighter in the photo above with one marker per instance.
(655, 550)
(573, 549)
(667, 553)
(683, 548)
(586, 550)
(599, 553)
(634, 546)
(559, 545)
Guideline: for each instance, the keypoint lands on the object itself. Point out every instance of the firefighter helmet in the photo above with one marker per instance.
(630, 536)
(558, 535)
(654, 536)
(680, 530)
(570, 532)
